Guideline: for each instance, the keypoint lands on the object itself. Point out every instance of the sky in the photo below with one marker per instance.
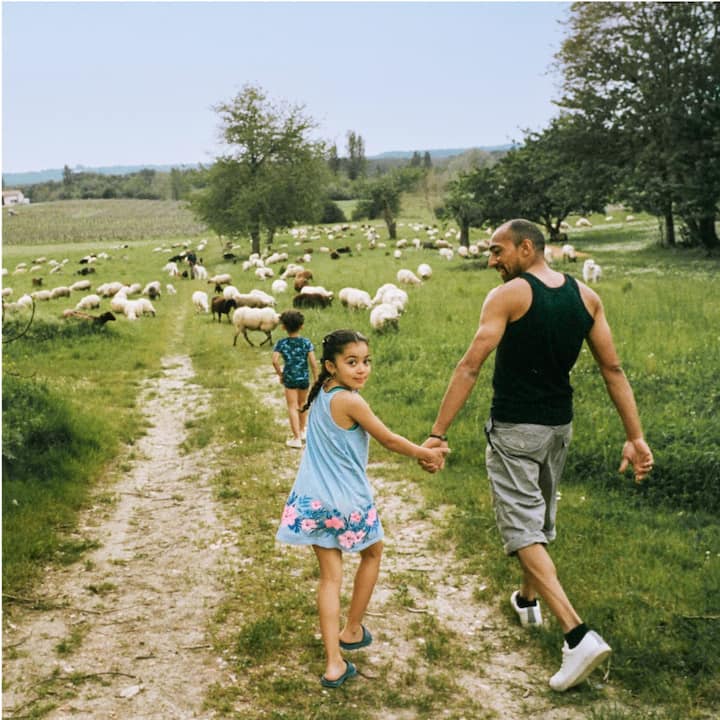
(132, 83)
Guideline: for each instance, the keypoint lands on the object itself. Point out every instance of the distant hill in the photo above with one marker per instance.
(32, 177)
(436, 154)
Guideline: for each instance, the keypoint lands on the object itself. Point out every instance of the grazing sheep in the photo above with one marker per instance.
(81, 285)
(446, 253)
(133, 309)
(424, 271)
(6, 292)
(230, 291)
(408, 277)
(170, 289)
(591, 271)
(384, 317)
(279, 286)
(583, 222)
(199, 272)
(171, 269)
(96, 319)
(223, 279)
(87, 303)
(267, 300)
(261, 319)
(25, 302)
(355, 299)
(37, 282)
(152, 289)
(61, 291)
(200, 301)
(568, 253)
(222, 306)
(302, 279)
(41, 295)
(317, 290)
(311, 300)
(263, 273)
(117, 303)
(630, 218)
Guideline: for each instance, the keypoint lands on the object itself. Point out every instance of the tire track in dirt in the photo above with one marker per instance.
(136, 612)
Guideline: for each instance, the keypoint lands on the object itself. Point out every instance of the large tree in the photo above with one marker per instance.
(356, 160)
(273, 175)
(467, 199)
(650, 73)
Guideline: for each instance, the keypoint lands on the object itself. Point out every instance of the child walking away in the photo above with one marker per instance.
(296, 353)
(331, 505)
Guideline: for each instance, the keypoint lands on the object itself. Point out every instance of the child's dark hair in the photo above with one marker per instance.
(292, 320)
(333, 344)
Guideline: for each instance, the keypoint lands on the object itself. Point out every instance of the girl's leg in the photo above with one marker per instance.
(291, 398)
(328, 602)
(363, 586)
(302, 395)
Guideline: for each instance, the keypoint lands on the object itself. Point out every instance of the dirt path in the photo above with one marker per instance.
(134, 614)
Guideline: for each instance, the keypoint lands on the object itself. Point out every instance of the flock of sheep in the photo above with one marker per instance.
(255, 310)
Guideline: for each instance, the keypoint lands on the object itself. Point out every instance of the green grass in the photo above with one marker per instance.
(642, 563)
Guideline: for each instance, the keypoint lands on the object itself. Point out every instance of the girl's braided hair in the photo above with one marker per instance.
(333, 345)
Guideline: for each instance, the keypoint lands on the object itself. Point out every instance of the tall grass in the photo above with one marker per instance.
(642, 563)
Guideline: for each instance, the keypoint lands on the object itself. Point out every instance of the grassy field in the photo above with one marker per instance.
(643, 562)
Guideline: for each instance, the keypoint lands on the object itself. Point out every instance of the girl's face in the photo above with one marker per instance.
(352, 366)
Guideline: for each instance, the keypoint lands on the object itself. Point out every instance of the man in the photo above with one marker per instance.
(537, 320)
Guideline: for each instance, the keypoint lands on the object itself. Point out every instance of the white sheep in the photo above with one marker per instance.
(354, 298)
(229, 292)
(261, 319)
(408, 277)
(41, 295)
(170, 289)
(119, 300)
(568, 253)
(446, 252)
(591, 271)
(200, 301)
(7, 292)
(397, 254)
(316, 290)
(583, 222)
(424, 271)
(279, 286)
(171, 269)
(384, 316)
(152, 289)
(463, 252)
(267, 300)
(80, 285)
(222, 279)
(87, 303)
(61, 291)
(263, 273)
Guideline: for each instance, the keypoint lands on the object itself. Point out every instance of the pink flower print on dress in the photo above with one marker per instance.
(371, 516)
(289, 515)
(335, 522)
(308, 525)
(316, 505)
(347, 539)
(355, 517)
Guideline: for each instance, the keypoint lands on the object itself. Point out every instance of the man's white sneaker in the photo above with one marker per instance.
(294, 443)
(528, 615)
(579, 662)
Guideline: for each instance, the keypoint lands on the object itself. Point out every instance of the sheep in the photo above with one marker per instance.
(568, 253)
(200, 301)
(463, 252)
(80, 285)
(292, 270)
(41, 295)
(392, 295)
(222, 306)
(171, 269)
(583, 222)
(384, 317)
(446, 253)
(117, 303)
(311, 300)
(24, 302)
(354, 298)
(397, 254)
(279, 286)
(302, 279)
(152, 289)
(630, 218)
(591, 271)
(134, 309)
(110, 289)
(61, 291)
(199, 272)
(222, 279)
(408, 277)
(88, 302)
(263, 273)
(316, 290)
(170, 289)
(37, 282)
(230, 291)
(6, 292)
(261, 319)
(424, 271)
(96, 319)
(267, 300)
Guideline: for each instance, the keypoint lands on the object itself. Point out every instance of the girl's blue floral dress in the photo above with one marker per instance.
(331, 503)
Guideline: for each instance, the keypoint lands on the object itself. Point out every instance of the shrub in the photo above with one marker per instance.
(332, 213)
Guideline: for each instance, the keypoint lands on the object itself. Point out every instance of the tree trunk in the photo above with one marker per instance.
(669, 228)
(255, 237)
(465, 233)
(391, 225)
(708, 234)
(270, 236)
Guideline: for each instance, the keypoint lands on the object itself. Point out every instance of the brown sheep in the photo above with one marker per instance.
(302, 279)
(311, 300)
(222, 306)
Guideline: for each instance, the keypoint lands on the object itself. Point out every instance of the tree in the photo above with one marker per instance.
(467, 201)
(561, 170)
(650, 73)
(357, 162)
(427, 160)
(273, 176)
(333, 159)
(382, 196)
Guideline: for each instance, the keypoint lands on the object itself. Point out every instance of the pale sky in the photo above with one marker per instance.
(131, 83)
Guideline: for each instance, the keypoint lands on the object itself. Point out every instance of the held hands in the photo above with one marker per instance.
(438, 449)
(638, 454)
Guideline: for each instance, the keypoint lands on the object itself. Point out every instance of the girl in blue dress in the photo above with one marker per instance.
(331, 504)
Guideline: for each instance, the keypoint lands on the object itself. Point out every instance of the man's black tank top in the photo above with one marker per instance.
(531, 381)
